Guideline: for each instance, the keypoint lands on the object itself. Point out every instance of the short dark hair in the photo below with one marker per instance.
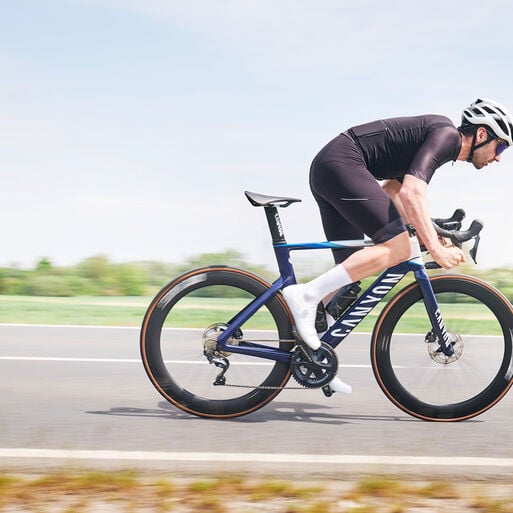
(468, 129)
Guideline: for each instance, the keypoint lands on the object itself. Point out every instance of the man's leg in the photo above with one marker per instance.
(304, 298)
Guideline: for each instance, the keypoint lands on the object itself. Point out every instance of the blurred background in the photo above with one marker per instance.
(130, 129)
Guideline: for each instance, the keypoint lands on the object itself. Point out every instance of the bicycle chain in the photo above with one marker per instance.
(260, 387)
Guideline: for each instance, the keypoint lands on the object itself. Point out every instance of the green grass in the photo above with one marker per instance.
(201, 312)
(83, 311)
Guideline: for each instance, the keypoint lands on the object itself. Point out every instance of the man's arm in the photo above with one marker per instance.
(411, 198)
(392, 188)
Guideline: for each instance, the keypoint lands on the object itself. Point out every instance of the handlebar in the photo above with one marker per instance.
(453, 222)
(458, 237)
(450, 228)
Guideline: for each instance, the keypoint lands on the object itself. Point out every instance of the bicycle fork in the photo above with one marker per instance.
(433, 311)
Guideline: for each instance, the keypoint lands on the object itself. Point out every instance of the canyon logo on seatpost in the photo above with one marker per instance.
(363, 306)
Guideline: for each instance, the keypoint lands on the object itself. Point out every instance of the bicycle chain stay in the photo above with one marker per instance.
(298, 359)
(260, 387)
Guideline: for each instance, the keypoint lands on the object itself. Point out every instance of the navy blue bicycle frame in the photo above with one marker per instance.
(350, 319)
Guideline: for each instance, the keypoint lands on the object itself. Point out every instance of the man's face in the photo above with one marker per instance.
(487, 153)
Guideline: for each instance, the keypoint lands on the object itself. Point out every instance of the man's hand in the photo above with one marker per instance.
(448, 256)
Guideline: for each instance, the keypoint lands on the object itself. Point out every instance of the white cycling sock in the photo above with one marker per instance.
(320, 287)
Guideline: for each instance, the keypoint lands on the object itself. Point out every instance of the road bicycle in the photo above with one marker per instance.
(219, 342)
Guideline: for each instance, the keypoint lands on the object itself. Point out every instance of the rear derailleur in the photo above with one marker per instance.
(221, 362)
(213, 354)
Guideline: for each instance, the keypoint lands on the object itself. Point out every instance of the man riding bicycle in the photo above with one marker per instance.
(404, 152)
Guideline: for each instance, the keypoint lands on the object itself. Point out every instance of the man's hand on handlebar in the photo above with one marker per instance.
(448, 253)
(448, 256)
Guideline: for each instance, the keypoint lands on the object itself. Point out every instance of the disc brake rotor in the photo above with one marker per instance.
(435, 350)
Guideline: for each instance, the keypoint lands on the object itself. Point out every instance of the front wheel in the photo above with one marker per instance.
(182, 324)
(416, 375)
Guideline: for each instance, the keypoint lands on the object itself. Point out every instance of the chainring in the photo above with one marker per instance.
(314, 369)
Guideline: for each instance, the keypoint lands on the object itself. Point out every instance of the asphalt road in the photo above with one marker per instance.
(79, 396)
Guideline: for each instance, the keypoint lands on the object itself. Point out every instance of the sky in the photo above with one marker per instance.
(132, 128)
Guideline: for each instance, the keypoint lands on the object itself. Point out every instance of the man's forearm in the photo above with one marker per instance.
(413, 198)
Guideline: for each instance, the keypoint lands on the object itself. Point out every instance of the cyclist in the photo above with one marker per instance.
(404, 152)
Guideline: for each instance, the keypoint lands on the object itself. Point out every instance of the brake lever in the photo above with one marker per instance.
(473, 251)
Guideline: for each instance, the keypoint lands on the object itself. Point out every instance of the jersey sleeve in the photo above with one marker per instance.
(437, 149)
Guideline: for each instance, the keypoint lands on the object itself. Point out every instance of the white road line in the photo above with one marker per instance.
(206, 457)
(66, 326)
(63, 359)
(134, 360)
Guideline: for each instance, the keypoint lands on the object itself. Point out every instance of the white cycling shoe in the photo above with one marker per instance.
(337, 385)
(304, 314)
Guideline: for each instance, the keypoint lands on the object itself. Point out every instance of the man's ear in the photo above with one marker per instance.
(481, 135)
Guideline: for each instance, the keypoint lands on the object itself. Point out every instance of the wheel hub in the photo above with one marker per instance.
(211, 334)
(435, 350)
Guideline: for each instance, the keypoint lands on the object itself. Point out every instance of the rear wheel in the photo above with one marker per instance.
(185, 319)
(413, 371)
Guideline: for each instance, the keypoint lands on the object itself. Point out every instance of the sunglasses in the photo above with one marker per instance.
(501, 143)
(501, 146)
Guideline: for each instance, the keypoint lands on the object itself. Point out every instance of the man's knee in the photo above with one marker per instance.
(400, 248)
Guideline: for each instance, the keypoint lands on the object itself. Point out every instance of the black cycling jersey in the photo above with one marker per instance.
(415, 145)
(344, 173)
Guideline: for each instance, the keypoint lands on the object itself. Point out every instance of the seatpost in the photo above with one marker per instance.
(287, 276)
(273, 220)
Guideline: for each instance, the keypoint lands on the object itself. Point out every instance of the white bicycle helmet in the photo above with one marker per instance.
(491, 114)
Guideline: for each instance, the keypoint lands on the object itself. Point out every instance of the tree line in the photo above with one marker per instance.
(97, 276)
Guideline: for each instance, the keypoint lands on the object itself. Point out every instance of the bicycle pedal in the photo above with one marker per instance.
(326, 390)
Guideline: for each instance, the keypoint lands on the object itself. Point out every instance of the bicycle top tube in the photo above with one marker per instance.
(282, 253)
(330, 244)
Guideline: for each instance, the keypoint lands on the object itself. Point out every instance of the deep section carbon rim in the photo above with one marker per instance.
(416, 376)
(185, 318)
